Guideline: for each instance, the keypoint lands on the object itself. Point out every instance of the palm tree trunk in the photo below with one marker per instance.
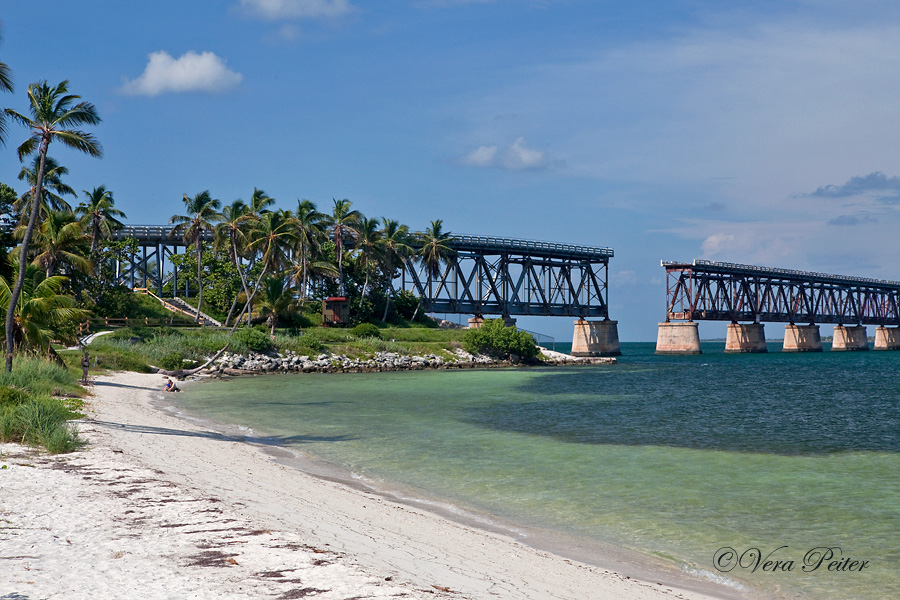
(387, 303)
(250, 299)
(237, 265)
(199, 282)
(23, 257)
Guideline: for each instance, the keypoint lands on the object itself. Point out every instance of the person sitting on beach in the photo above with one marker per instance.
(170, 386)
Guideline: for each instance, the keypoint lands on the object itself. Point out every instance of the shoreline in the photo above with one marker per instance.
(386, 546)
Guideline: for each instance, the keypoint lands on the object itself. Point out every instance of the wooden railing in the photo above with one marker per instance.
(94, 324)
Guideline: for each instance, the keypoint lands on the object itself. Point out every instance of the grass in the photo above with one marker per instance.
(30, 415)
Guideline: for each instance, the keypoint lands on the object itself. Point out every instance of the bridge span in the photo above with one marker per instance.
(719, 291)
(485, 276)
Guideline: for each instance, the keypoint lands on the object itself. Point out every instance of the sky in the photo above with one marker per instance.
(758, 132)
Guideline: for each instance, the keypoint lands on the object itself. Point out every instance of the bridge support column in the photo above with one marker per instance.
(887, 338)
(849, 338)
(476, 322)
(596, 338)
(802, 338)
(747, 337)
(678, 338)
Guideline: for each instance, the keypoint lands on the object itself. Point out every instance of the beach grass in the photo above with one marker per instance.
(30, 413)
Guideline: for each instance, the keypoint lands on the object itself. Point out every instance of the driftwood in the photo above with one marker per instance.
(180, 373)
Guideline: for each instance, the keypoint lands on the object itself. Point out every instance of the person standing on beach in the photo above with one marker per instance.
(85, 364)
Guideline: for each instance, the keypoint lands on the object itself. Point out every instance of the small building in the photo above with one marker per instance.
(335, 311)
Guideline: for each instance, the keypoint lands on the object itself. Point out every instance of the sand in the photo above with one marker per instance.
(161, 507)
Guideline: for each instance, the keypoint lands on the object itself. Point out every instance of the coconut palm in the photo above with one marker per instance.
(99, 213)
(61, 240)
(53, 113)
(342, 222)
(434, 251)
(203, 212)
(53, 188)
(272, 235)
(232, 232)
(40, 311)
(395, 251)
(310, 234)
(275, 300)
(260, 202)
(368, 244)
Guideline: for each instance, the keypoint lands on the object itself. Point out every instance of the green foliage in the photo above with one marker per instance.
(29, 415)
(40, 421)
(10, 396)
(496, 339)
(39, 376)
(253, 338)
(366, 330)
(405, 303)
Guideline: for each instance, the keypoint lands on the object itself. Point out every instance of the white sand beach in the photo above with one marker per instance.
(159, 507)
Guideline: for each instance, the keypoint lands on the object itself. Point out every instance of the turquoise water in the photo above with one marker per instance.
(674, 456)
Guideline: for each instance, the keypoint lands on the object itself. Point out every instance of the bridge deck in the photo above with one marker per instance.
(719, 291)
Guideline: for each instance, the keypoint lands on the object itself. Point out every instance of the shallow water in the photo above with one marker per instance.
(674, 456)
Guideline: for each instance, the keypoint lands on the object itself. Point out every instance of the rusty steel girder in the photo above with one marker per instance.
(715, 291)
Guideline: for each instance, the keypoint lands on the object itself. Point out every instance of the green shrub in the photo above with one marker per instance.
(10, 396)
(252, 338)
(498, 340)
(172, 361)
(366, 330)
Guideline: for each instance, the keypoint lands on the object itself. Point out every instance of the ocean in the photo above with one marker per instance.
(772, 472)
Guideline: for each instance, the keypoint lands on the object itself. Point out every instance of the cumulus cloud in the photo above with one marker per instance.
(298, 9)
(514, 157)
(715, 243)
(191, 72)
(855, 186)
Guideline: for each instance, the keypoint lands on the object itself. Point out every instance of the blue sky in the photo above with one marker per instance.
(756, 132)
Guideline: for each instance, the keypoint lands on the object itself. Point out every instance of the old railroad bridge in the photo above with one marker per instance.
(707, 290)
(485, 276)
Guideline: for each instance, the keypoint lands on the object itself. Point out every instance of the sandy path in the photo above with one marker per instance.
(159, 507)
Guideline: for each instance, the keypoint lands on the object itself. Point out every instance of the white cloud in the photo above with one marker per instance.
(298, 9)
(204, 72)
(514, 157)
(715, 243)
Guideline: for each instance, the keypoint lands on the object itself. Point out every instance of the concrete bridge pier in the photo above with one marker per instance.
(849, 338)
(746, 337)
(887, 338)
(802, 338)
(596, 338)
(678, 338)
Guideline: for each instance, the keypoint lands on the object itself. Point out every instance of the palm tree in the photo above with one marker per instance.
(275, 301)
(310, 233)
(368, 244)
(53, 112)
(233, 232)
(203, 211)
(99, 213)
(342, 223)
(435, 250)
(62, 240)
(395, 251)
(39, 311)
(260, 202)
(51, 198)
(272, 235)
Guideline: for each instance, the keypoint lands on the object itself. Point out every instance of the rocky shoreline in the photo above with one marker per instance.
(291, 362)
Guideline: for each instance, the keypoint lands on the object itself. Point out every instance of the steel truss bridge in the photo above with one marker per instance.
(485, 276)
(718, 291)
